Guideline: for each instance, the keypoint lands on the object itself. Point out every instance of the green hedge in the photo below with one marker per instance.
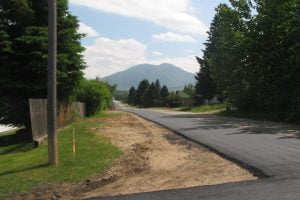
(95, 94)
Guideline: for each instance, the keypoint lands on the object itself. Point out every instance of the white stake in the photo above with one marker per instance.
(74, 142)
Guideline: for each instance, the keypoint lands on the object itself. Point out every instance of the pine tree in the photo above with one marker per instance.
(141, 91)
(131, 96)
(150, 96)
(23, 69)
(157, 100)
(164, 95)
(205, 87)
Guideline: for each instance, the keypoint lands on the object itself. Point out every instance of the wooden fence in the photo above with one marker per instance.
(79, 108)
(38, 116)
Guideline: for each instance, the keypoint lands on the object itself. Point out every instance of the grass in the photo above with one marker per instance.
(205, 108)
(23, 168)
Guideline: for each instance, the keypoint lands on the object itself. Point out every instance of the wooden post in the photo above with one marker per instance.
(52, 103)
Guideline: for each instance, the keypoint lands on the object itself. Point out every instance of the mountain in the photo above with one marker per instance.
(171, 76)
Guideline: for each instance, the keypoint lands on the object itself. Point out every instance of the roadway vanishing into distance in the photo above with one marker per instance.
(270, 150)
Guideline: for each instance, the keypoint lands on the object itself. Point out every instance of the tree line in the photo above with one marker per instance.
(252, 57)
(148, 94)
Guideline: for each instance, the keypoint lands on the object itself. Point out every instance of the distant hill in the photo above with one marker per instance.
(171, 76)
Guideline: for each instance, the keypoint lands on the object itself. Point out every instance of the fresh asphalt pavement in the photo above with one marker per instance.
(270, 150)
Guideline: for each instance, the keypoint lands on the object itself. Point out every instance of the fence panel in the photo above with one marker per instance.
(80, 108)
(65, 115)
(38, 116)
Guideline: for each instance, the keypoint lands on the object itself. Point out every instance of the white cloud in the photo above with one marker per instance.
(156, 53)
(83, 28)
(189, 51)
(173, 37)
(188, 63)
(175, 15)
(108, 56)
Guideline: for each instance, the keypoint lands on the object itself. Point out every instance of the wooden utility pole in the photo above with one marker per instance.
(52, 103)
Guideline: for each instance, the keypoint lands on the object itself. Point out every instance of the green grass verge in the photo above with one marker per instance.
(22, 170)
(205, 108)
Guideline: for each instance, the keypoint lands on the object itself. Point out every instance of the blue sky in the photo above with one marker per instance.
(123, 33)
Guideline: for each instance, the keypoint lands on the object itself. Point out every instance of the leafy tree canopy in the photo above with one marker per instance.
(252, 56)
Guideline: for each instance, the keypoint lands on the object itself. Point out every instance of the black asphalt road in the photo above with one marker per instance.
(269, 148)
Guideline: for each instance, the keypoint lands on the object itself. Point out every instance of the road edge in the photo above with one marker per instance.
(260, 174)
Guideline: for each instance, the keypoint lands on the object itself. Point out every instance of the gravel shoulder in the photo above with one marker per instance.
(156, 158)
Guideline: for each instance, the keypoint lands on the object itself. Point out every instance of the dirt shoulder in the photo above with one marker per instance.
(155, 158)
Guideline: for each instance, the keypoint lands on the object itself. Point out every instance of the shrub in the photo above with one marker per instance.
(95, 94)
(174, 100)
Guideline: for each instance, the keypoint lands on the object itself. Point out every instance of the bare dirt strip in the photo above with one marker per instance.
(154, 158)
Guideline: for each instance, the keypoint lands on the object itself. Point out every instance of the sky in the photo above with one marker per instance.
(123, 33)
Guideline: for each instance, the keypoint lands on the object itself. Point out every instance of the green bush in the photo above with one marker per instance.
(121, 95)
(174, 100)
(95, 94)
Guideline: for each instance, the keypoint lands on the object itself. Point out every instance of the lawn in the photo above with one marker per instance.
(23, 166)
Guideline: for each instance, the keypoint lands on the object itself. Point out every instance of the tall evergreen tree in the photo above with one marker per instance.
(23, 56)
(157, 100)
(141, 91)
(149, 96)
(227, 48)
(164, 95)
(132, 96)
(205, 88)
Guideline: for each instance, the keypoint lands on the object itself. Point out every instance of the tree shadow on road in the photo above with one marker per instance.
(236, 126)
